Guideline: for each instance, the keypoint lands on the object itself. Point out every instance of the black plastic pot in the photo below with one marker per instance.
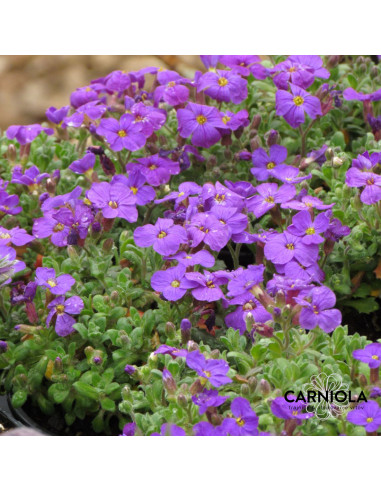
(13, 417)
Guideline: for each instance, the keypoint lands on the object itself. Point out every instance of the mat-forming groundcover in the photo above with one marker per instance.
(182, 256)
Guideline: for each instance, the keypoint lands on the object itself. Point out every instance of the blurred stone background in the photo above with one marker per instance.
(30, 84)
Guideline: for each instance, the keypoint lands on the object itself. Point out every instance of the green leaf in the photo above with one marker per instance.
(19, 398)
(108, 405)
(86, 390)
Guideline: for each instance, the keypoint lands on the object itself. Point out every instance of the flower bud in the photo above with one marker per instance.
(333, 61)
(337, 162)
(114, 295)
(191, 346)
(89, 351)
(185, 327)
(72, 253)
(107, 165)
(264, 387)
(3, 346)
(245, 389)
(272, 138)
(126, 393)
(182, 400)
(108, 244)
(58, 364)
(129, 369)
(255, 122)
(255, 143)
(11, 154)
(97, 360)
(196, 387)
(170, 329)
(215, 354)
(50, 186)
(329, 154)
(168, 382)
(252, 382)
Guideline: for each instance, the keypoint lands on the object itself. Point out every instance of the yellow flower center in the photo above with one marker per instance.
(208, 373)
(52, 283)
(161, 234)
(181, 194)
(315, 308)
(290, 246)
(4, 235)
(219, 198)
(248, 306)
(295, 413)
(310, 231)
(226, 119)
(60, 308)
(375, 357)
(370, 181)
(210, 284)
(122, 133)
(240, 421)
(152, 167)
(269, 199)
(188, 257)
(298, 100)
(59, 227)
(175, 283)
(171, 84)
(139, 118)
(86, 201)
(270, 165)
(134, 189)
(112, 204)
(201, 120)
(308, 204)
(292, 69)
(222, 81)
(369, 420)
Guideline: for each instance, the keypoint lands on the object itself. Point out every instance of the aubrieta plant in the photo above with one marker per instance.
(178, 255)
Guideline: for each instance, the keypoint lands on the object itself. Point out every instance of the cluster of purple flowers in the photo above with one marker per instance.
(362, 175)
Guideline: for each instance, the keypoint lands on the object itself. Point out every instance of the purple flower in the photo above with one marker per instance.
(136, 182)
(244, 65)
(117, 81)
(367, 414)
(80, 166)
(317, 311)
(170, 282)
(186, 189)
(375, 393)
(122, 134)
(303, 226)
(32, 176)
(129, 429)
(220, 195)
(336, 230)
(307, 202)
(300, 70)
(114, 200)
(85, 114)
(56, 115)
(170, 430)
(172, 351)
(284, 409)
(63, 309)
(164, 236)
(268, 196)
(223, 85)
(9, 204)
(76, 221)
(201, 122)
(26, 134)
(211, 370)
(204, 428)
(48, 226)
(234, 121)
(11, 266)
(83, 95)
(282, 248)
(3, 346)
(46, 277)
(150, 118)
(234, 221)
(370, 355)
(245, 422)
(203, 258)
(208, 398)
(292, 106)
(205, 227)
(156, 169)
(58, 200)
(318, 156)
(171, 88)
(16, 236)
(371, 182)
(366, 162)
(129, 369)
(246, 280)
(205, 287)
(350, 94)
(264, 164)
(248, 305)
